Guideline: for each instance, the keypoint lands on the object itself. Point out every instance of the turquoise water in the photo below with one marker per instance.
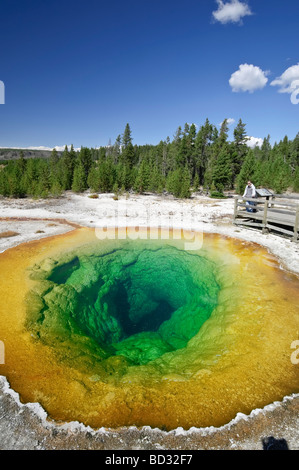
(136, 301)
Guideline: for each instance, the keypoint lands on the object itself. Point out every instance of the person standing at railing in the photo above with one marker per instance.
(250, 193)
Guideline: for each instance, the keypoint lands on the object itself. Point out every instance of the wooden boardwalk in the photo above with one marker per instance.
(278, 214)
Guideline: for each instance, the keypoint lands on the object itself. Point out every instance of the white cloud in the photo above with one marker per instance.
(254, 142)
(287, 81)
(59, 148)
(248, 78)
(229, 122)
(231, 12)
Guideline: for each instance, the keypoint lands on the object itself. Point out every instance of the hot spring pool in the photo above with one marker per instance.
(146, 332)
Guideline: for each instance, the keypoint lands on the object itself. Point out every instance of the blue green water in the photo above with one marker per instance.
(132, 300)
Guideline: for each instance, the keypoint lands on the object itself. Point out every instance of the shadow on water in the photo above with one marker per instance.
(270, 443)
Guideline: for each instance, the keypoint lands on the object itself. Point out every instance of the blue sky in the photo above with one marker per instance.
(75, 72)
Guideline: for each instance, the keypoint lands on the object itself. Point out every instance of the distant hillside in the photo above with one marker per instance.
(13, 154)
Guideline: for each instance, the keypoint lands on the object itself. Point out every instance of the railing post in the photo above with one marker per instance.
(265, 216)
(295, 237)
(236, 207)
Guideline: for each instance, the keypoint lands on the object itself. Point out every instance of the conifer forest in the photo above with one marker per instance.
(195, 159)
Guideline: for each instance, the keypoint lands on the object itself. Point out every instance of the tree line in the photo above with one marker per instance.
(195, 158)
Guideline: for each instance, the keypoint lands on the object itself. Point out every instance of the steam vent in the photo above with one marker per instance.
(119, 332)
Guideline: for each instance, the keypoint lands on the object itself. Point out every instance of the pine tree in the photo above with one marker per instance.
(223, 134)
(284, 148)
(196, 182)
(191, 156)
(106, 176)
(128, 154)
(13, 180)
(30, 177)
(84, 161)
(240, 135)
(281, 174)
(68, 165)
(56, 173)
(42, 188)
(127, 136)
(185, 183)
(116, 150)
(55, 190)
(202, 149)
(93, 180)
(240, 148)
(294, 153)
(142, 179)
(79, 184)
(173, 182)
(156, 182)
(296, 180)
(21, 162)
(222, 170)
(266, 148)
(182, 155)
(4, 190)
(247, 172)
(178, 183)
(258, 175)
(126, 177)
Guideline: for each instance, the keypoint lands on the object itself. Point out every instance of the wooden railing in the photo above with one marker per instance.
(278, 213)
